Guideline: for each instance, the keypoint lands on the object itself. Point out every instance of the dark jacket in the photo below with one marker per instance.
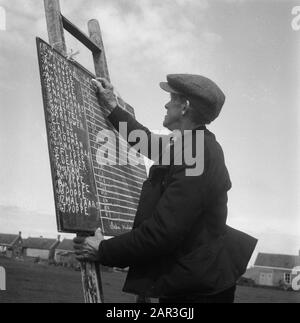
(180, 243)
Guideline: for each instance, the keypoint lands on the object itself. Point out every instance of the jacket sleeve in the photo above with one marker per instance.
(165, 231)
(119, 115)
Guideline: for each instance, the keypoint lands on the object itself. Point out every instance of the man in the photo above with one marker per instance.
(180, 249)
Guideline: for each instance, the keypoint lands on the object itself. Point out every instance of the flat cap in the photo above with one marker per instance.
(203, 93)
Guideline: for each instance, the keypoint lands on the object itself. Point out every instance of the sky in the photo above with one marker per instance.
(247, 47)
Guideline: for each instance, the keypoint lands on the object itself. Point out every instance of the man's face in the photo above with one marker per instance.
(174, 108)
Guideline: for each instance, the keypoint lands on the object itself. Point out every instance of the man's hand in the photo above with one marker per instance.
(86, 249)
(105, 94)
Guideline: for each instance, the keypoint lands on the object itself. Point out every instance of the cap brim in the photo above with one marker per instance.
(166, 87)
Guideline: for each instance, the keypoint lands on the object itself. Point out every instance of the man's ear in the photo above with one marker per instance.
(186, 107)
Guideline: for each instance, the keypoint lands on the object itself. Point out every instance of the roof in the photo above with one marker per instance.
(8, 239)
(251, 272)
(39, 243)
(277, 261)
(66, 245)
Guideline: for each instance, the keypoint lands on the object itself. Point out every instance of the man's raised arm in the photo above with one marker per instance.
(116, 115)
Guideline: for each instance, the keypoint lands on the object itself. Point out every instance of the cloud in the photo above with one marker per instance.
(165, 35)
(23, 19)
(29, 9)
(169, 35)
(235, 1)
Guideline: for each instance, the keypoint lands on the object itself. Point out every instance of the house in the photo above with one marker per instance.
(273, 270)
(65, 255)
(40, 248)
(11, 245)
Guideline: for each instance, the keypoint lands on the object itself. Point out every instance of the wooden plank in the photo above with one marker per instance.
(78, 34)
(55, 26)
(91, 281)
(90, 272)
(100, 62)
(101, 70)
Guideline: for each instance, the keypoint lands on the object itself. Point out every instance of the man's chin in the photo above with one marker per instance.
(166, 124)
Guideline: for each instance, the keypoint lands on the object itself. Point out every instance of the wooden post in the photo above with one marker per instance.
(55, 26)
(101, 69)
(100, 62)
(91, 276)
(91, 282)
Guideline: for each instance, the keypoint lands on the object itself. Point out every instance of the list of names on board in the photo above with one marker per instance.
(88, 194)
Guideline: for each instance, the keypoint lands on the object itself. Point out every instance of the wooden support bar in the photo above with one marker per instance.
(55, 26)
(91, 281)
(101, 70)
(100, 61)
(78, 34)
(56, 23)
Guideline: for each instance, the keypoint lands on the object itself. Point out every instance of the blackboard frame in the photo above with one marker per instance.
(103, 219)
(59, 219)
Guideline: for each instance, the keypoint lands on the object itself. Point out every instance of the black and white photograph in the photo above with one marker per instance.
(150, 154)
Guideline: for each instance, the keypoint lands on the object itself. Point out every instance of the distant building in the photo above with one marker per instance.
(11, 245)
(65, 255)
(40, 248)
(273, 270)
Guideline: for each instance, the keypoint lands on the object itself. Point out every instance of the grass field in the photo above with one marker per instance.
(32, 283)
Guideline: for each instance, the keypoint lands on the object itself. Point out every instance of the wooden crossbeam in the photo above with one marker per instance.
(79, 35)
(100, 62)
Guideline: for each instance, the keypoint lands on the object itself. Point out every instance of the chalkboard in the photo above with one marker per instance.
(87, 195)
